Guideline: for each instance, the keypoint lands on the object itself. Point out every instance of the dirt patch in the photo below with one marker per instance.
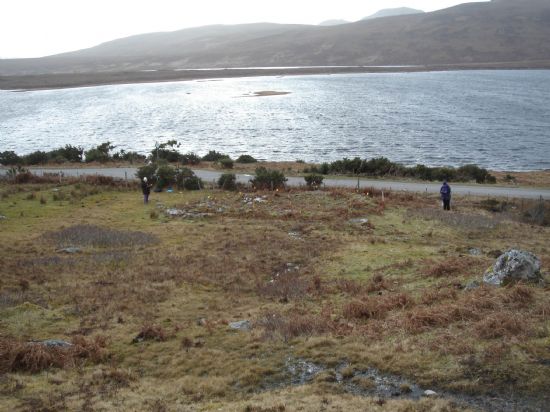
(97, 236)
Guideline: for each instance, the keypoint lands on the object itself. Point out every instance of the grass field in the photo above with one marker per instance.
(338, 309)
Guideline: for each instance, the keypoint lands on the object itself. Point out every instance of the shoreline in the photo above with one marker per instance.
(397, 185)
(23, 83)
(535, 179)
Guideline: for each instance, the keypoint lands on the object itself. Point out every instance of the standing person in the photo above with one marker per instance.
(445, 192)
(146, 189)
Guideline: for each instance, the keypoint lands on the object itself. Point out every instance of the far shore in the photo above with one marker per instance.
(72, 80)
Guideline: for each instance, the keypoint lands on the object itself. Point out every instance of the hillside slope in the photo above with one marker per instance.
(497, 31)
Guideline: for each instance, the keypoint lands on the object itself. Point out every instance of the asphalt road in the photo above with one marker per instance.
(210, 176)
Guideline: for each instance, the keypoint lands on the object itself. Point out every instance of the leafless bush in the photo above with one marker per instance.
(376, 307)
(454, 266)
(501, 324)
(285, 286)
(34, 357)
(96, 236)
(293, 325)
(151, 332)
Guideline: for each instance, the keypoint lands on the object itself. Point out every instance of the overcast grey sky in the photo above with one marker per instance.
(32, 28)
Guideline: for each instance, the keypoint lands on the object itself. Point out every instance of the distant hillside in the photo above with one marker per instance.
(335, 22)
(490, 32)
(400, 11)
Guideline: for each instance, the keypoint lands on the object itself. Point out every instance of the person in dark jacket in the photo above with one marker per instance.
(146, 189)
(445, 192)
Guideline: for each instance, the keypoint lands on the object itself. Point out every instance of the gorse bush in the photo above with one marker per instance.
(268, 179)
(246, 159)
(131, 157)
(183, 175)
(10, 158)
(193, 183)
(165, 176)
(148, 171)
(227, 181)
(166, 151)
(226, 163)
(64, 154)
(382, 166)
(190, 159)
(314, 180)
(213, 156)
(100, 153)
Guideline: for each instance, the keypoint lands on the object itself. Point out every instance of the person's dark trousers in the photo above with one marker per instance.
(145, 198)
(446, 204)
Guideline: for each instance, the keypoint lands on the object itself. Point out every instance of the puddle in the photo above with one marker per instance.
(371, 382)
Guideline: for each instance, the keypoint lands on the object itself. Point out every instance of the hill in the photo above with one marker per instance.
(474, 33)
(400, 11)
(334, 22)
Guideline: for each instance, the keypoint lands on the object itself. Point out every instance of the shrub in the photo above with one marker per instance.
(36, 158)
(474, 172)
(226, 163)
(151, 332)
(193, 183)
(147, 171)
(227, 181)
(246, 159)
(165, 176)
(9, 158)
(186, 179)
(314, 180)
(268, 179)
(190, 159)
(129, 156)
(68, 153)
(34, 357)
(99, 153)
(213, 156)
(166, 151)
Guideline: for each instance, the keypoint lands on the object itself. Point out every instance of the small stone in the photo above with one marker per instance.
(429, 393)
(359, 221)
(2, 217)
(243, 325)
(174, 212)
(474, 251)
(201, 322)
(70, 250)
(474, 284)
(53, 343)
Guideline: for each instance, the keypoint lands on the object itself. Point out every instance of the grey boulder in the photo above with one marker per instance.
(513, 266)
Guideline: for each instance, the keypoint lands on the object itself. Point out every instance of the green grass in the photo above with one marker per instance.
(206, 272)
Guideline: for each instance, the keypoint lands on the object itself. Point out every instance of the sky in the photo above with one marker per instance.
(34, 28)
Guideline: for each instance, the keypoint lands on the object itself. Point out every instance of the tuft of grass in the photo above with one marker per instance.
(34, 357)
(151, 332)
